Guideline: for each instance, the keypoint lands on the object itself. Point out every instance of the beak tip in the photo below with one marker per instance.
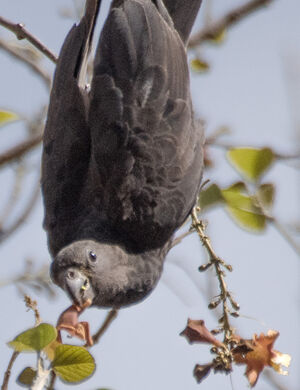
(78, 286)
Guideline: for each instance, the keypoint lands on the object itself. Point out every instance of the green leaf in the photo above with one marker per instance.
(242, 209)
(50, 349)
(219, 37)
(240, 201)
(239, 187)
(251, 162)
(34, 339)
(247, 219)
(72, 363)
(210, 196)
(27, 376)
(199, 65)
(7, 117)
(266, 195)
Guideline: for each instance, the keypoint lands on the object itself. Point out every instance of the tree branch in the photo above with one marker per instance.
(21, 33)
(233, 17)
(285, 234)
(19, 150)
(8, 371)
(217, 262)
(30, 63)
(29, 207)
(52, 380)
(178, 239)
(112, 314)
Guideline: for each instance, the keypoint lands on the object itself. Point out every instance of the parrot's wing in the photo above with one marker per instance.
(66, 146)
(146, 150)
(183, 14)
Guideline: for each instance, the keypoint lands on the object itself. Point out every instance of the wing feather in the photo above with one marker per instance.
(144, 140)
(66, 143)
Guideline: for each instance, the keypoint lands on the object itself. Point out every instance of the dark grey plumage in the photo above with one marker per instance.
(122, 163)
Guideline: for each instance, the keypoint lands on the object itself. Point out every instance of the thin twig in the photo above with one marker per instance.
(21, 33)
(285, 234)
(30, 63)
(38, 280)
(277, 225)
(15, 193)
(217, 262)
(234, 16)
(8, 371)
(52, 380)
(29, 207)
(111, 315)
(19, 150)
(178, 239)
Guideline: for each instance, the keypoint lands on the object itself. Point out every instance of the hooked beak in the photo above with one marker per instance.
(78, 286)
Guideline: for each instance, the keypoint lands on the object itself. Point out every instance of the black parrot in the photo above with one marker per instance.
(123, 160)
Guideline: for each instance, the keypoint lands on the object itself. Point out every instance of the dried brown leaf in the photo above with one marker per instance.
(196, 332)
(258, 353)
(202, 371)
(68, 321)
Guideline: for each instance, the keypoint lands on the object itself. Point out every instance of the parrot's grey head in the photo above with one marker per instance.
(104, 274)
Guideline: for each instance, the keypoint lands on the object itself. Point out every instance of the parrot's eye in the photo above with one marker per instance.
(93, 256)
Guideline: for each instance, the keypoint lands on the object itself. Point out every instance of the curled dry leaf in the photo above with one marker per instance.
(202, 371)
(68, 321)
(196, 332)
(258, 353)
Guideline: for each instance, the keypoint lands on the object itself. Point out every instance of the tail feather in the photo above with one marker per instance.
(183, 14)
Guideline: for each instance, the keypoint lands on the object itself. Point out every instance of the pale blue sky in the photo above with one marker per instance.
(247, 90)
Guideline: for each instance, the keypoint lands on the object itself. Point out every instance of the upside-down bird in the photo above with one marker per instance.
(122, 160)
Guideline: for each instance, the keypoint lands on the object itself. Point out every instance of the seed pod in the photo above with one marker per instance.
(204, 267)
(214, 304)
(234, 304)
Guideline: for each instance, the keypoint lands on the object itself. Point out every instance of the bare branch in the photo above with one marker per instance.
(218, 263)
(29, 207)
(30, 63)
(52, 380)
(112, 314)
(14, 194)
(285, 234)
(233, 17)
(21, 33)
(37, 280)
(8, 371)
(19, 150)
(178, 239)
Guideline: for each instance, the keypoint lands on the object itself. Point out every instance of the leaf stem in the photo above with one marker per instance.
(286, 235)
